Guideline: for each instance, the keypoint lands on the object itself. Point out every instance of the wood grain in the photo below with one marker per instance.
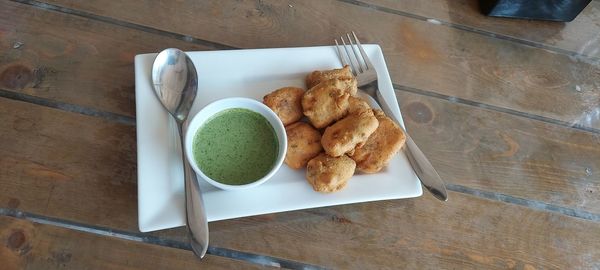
(419, 54)
(81, 168)
(464, 233)
(73, 59)
(489, 151)
(67, 165)
(579, 36)
(89, 177)
(27, 245)
(83, 176)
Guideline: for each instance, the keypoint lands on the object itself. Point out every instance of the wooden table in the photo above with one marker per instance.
(508, 111)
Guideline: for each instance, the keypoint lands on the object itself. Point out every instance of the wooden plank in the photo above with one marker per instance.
(67, 165)
(85, 175)
(491, 151)
(73, 59)
(28, 245)
(419, 54)
(464, 233)
(579, 36)
(89, 177)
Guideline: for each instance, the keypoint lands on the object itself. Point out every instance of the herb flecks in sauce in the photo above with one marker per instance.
(235, 147)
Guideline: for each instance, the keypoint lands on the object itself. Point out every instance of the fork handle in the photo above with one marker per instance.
(428, 176)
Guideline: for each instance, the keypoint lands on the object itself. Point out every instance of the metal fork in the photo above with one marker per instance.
(366, 76)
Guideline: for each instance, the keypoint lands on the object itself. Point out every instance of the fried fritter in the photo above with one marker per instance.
(381, 146)
(328, 174)
(316, 77)
(304, 143)
(349, 84)
(286, 102)
(326, 102)
(356, 104)
(348, 133)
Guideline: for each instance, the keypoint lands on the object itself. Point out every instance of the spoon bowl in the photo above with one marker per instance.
(176, 83)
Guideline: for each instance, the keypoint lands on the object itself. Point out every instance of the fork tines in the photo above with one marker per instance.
(358, 59)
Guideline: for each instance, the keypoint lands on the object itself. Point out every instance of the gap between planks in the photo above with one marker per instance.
(269, 260)
(219, 46)
(462, 101)
(127, 120)
(457, 188)
(532, 204)
(153, 240)
(87, 15)
(478, 31)
(112, 117)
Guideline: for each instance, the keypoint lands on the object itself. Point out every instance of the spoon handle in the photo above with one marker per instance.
(195, 214)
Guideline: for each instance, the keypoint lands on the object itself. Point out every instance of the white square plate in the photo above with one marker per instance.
(246, 73)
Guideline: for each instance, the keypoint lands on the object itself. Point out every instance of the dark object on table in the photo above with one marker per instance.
(552, 10)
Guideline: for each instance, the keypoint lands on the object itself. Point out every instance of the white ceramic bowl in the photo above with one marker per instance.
(229, 103)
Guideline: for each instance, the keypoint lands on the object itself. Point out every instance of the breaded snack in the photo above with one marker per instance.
(316, 77)
(326, 102)
(356, 104)
(304, 143)
(286, 102)
(381, 146)
(349, 84)
(348, 133)
(328, 174)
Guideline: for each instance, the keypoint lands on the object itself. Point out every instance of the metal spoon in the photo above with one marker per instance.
(176, 83)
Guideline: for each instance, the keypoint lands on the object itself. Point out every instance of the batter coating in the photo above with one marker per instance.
(348, 133)
(381, 146)
(316, 77)
(326, 102)
(328, 174)
(356, 104)
(304, 143)
(286, 102)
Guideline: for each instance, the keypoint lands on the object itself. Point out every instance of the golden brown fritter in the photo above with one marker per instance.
(381, 146)
(304, 143)
(328, 174)
(356, 104)
(316, 77)
(348, 133)
(349, 84)
(326, 102)
(286, 102)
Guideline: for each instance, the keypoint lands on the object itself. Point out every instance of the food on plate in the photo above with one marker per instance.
(348, 133)
(326, 102)
(381, 146)
(328, 174)
(355, 136)
(236, 147)
(348, 84)
(304, 143)
(356, 104)
(317, 76)
(286, 102)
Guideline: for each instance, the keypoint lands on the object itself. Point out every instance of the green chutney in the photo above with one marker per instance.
(236, 147)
